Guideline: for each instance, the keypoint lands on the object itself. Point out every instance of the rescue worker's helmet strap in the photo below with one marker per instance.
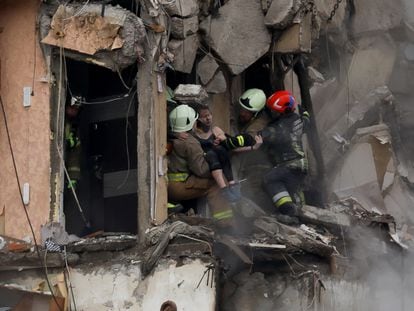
(253, 100)
(281, 102)
(182, 118)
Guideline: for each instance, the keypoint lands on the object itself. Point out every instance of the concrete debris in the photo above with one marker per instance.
(181, 28)
(218, 84)
(297, 38)
(315, 76)
(363, 113)
(293, 237)
(238, 49)
(160, 237)
(325, 217)
(55, 231)
(30, 260)
(376, 15)
(265, 5)
(371, 65)
(281, 13)
(190, 94)
(231, 244)
(185, 52)
(396, 199)
(206, 68)
(268, 291)
(357, 177)
(108, 243)
(182, 8)
(114, 40)
(264, 245)
(322, 93)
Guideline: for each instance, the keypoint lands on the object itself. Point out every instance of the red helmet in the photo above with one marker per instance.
(281, 101)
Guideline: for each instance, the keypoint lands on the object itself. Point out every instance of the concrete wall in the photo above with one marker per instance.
(20, 65)
(119, 287)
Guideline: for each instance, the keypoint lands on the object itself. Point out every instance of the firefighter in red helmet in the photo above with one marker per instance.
(282, 139)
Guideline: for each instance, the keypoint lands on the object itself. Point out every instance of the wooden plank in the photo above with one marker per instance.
(146, 84)
(220, 108)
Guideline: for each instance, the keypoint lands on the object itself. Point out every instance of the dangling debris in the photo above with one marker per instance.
(112, 37)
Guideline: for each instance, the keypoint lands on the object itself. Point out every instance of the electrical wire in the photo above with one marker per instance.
(24, 207)
(126, 143)
(122, 80)
(79, 12)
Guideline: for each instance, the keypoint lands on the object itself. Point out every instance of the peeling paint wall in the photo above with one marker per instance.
(21, 67)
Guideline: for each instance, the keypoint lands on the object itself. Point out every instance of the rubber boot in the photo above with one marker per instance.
(288, 208)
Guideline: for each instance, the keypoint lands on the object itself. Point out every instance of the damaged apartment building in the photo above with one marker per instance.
(109, 243)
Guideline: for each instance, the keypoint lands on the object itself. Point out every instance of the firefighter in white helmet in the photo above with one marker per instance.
(249, 166)
(189, 175)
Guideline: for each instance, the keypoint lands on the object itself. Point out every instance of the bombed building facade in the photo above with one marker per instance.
(105, 239)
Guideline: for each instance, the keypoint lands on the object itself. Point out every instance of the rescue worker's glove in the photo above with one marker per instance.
(229, 195)
(241, 140)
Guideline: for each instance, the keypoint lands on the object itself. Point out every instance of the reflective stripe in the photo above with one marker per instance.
(177, 176)
(73, 169)
(170, 205)
(223, 215)
(280, 195)
(240, 140)
(283, 201)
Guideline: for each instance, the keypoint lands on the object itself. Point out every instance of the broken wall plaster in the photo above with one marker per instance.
(114, 41)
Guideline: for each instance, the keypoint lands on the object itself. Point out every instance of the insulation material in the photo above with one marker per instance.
(107, 36)
(87, 33)
(399, 202)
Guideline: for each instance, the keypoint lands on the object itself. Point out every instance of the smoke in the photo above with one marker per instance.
(409, 10)
(385, 269)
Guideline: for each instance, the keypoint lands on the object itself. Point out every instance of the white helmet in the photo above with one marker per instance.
(182, 118)
(253, 100)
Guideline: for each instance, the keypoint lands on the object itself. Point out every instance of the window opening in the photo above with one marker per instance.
(101, 148)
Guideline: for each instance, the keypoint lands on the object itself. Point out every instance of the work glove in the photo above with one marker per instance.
(240, 140)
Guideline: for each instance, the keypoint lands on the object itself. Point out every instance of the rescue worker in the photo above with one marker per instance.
(73, 145)
(189, 174)
(249, 167)
(216, 145)
(283, 139)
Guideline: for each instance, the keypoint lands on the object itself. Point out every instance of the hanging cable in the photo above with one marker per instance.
(126, 142)
(69, 278)
(24, 207)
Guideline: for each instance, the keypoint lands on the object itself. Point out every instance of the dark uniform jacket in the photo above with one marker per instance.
(282, 139)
